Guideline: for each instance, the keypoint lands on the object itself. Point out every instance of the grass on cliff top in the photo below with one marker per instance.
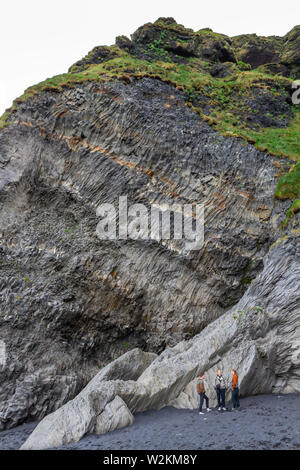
(221, 93)
(283, 141)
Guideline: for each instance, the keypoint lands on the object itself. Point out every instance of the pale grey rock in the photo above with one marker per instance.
(259, 337)
(114, 416)
(129, 366)
(80, 415)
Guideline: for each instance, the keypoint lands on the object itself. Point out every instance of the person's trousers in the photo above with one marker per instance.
(221, 397)
(235, 398)
(203, 397)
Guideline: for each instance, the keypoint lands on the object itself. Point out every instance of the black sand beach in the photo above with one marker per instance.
(264, 422)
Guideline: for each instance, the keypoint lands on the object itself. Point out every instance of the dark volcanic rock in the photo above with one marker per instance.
(291, 53)
(276, 69)
(259, 50)
(265, 110)
(222, 70)
(70, 302)
(256, 50)
(123, 42)
(167, 40)
(98, 55)
(213, 48)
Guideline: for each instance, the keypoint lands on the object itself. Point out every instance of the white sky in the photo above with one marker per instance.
(39, 39)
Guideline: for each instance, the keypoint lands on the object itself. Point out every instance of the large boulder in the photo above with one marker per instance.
(212, 47)
(277, 54)
(257, 50)
(291, 51)
(115, 415)
(259, 337)
(96, 56)
(165, 39)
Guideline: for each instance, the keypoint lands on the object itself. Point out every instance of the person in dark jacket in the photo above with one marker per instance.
(220, 387)
(202, 394)
(235, 390)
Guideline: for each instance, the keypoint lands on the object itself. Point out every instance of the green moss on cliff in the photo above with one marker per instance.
(288, 187)
(3, 119)
(283, 142)
(295, 207)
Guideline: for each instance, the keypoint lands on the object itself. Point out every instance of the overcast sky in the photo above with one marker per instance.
(40, 39)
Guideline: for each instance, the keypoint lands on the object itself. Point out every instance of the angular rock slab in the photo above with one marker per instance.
(91, 410)
(115, 415)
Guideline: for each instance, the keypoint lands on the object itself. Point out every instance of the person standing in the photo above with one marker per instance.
(220, 387)
(235, 390)
(202, 394)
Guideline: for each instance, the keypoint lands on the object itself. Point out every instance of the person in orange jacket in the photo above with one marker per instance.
(235, 390)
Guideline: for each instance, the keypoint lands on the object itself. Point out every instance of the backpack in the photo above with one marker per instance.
(218, 382)
(200, 388)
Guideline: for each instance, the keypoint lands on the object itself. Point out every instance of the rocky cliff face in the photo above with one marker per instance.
(69, 302)
(260, 341)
